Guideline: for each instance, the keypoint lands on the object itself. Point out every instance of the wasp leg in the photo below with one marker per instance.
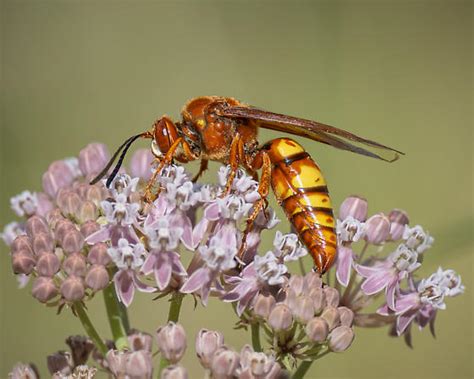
(166, 160)
(203, 167)
(234, 160)
(262, 203)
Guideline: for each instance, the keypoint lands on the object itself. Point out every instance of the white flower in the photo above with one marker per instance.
(173, 174)
(218, 256)
(350, 229)
(162, 235)
(24, 204)
(233, 207)
(450, 281)
(269, 270)
(120, 212)
(288, 247)
(432, 292)
(11, 231)
(123, 185)
(416, 238)
(127, 255)
(404, 259)
(182, 196)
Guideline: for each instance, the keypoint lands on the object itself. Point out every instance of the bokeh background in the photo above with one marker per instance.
(398, 72)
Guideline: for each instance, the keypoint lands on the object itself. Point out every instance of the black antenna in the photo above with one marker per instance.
(126, 144)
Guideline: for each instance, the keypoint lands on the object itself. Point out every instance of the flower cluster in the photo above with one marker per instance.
(77, 239)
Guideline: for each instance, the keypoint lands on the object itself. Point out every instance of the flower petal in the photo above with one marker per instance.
(212, 212)
(149, 264)
(344, 265)
(101, 235)
(376, 282)
(197, 280)
(404, 320)
(162, 271)
(124, 287)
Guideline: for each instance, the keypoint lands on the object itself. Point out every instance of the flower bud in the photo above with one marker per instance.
(224, 363)
(171, 340)
(398, 220)
(81, 347)
(69, 202)
(88, 211)
(263, 305)
(24, 371)
(98, 254)
(280, 317)
(140, 164)
(43, 243)
(54, 217)
(174, 372)
(93, 158)
(44, 289)
(332, 296)
(89, 227)
(353, 206)
(75, 264)
(23, 262)
(207, 342)
(62, 228)
(312, 280)
(331, 315)
(44, 205)
(340, 339)
(138, 364)
(96, 193)
(60, 362)
(296, 283)
(116, 361)
(257, 365)
(72, 288)
(377, 229)
(304, 309)
(59, 175)
(21, 243)
(36, 225)
(319, 299)
(346, 315)
(72, 241)
(80, 189)
(317, 329)
(97, 277)
(48, 264)
(140, 341)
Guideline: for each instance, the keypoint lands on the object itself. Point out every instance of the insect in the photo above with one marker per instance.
(225, 130)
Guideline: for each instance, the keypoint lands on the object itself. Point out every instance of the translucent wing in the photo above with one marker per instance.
(311, 129)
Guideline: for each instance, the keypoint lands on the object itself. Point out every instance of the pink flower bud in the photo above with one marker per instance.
(174, 372)
(72, 288)
(224, 363)
(72, 241)
(319, 299)
(263, 305)
(23, 262)
(93, 158)
(346, 315)
(304, 309)
(296, 283)
(81, 347)
(97, 277)
(48, 264)
(140, 164)
(89, 227)
(69, 202)
(140, 341)
(398, 220)
(62, 227)
(331, 315)
(353, 206)
(44, 205)
(75, 264)
(36, 225)
(21, 243)
(44, 289)
(317, 329)
(340, 339)
(257, 365)
(116, 361)
(312, 280)
(138, 364)
(96, 193)
(24, 371)
(43, 243)
(280, 317)
(59, 175)
(207, 342)
(377, 229)
(171, 340)
(54, 217)
(60, 362)
(332, 297)
(81, 189)
(98, 254)
(88, 211)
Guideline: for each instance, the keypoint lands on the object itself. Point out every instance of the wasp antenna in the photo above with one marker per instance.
(126, 146)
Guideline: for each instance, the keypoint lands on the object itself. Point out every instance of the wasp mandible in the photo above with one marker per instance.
(223, 129)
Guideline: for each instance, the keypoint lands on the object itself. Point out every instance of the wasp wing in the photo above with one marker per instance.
(313, 130)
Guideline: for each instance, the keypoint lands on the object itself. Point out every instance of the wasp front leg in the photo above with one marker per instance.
(235, 157)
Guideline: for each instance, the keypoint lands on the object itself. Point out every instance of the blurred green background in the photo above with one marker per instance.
(398, 72)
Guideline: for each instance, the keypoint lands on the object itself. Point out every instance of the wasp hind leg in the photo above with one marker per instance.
(202, 167)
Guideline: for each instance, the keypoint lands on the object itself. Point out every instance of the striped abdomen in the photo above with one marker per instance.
(300, 188)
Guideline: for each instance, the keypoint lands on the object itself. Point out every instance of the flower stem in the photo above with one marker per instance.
(118, 318)
(173, 315)
(305, 365)
(89, 328)
(255, 328)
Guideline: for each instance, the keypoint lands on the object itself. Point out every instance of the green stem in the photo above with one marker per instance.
(305, 365)
(89, 328)
(173, 316)
(118, 318)
(257, 346)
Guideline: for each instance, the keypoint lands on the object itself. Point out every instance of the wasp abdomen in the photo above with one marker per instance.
(300, 188)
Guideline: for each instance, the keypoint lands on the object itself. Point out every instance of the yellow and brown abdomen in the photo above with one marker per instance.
(301, 190)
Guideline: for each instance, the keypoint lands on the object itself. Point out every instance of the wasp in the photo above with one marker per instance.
(225, 130)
